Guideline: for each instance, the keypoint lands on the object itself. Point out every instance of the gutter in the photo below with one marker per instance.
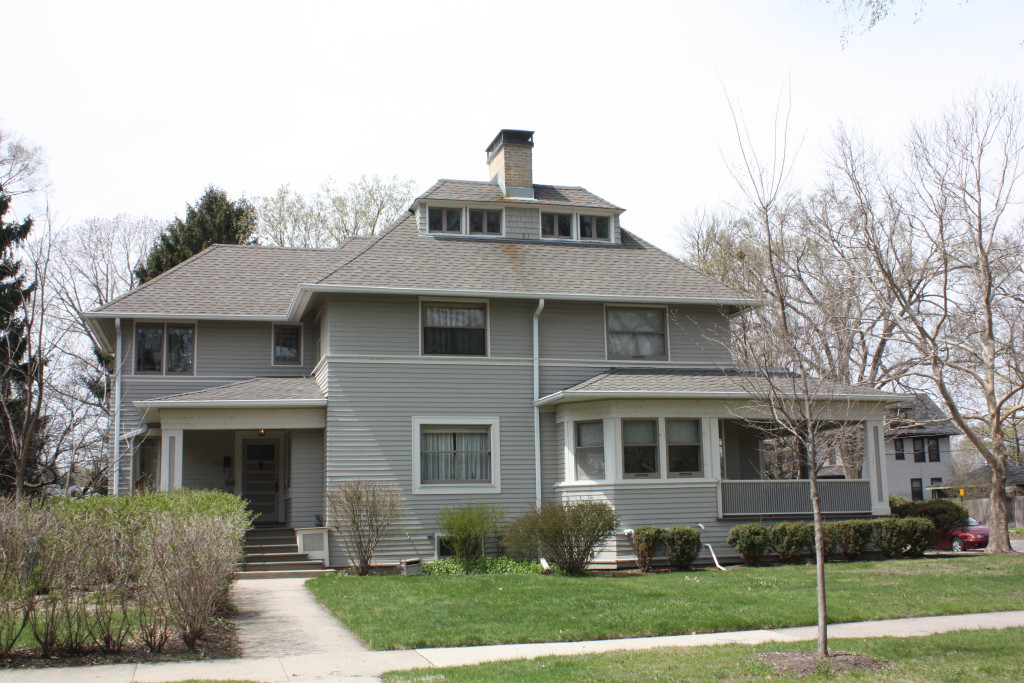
(579, 396)
(536, 398)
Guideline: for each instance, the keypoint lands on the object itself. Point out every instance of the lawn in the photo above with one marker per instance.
(399, 612)
(957, 656)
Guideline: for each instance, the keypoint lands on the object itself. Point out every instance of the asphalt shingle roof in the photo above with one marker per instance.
(476, 191)
(918, 417)
(705, 381)
(226, 280)
(258, 389)
(402, 258)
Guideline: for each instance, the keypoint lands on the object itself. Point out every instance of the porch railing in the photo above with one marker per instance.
(793, 497)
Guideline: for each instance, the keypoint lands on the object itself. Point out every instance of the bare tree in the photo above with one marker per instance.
(958, 209)
(22, 165)
(363, 512)
(331, 216)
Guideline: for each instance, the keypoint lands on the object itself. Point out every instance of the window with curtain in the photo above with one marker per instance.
(683, 444)
(636, 333)
(454, 329)
(589, 453)
(454, 454)
(640, 448)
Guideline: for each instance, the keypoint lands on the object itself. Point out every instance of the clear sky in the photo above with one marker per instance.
(140, 105)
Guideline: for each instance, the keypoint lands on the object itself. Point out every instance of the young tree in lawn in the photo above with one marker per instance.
(957, 213)
(214, 219)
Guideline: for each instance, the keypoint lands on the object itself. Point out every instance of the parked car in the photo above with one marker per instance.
(974, 536)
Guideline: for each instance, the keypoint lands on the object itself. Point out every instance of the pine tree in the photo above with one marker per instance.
(214, 219)
(14, 291)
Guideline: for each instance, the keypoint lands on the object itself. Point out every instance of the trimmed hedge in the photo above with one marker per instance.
(750, 541)
(791, 540)
(945, 514)
(683, 547)
(851, 536)
(904, 537)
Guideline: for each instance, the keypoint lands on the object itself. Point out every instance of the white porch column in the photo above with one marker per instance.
(171, 458)
(874, 466)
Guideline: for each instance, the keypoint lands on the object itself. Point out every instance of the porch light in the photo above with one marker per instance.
(261, 432)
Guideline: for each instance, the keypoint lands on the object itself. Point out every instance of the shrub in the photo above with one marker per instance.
(453, 566)
(750, 541)
(683, 547)
(851, 537)
(903, 537)
(567, 533)
(362, 512)
(791, 540)
(646, 540)
(465, 528)
(945, 514)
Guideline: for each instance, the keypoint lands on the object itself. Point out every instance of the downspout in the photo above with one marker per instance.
(117, 410)
(536, 396)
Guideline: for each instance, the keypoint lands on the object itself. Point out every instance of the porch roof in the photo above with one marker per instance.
(707, 383)
(260, 392)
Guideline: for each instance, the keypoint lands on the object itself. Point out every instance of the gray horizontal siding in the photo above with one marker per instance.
(369, 436)
(552, 438)
(306, 495)
(204, 453)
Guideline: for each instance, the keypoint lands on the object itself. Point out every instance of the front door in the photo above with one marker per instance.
(260, 481)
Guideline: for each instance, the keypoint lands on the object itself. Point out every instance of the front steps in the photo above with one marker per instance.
(272, 553)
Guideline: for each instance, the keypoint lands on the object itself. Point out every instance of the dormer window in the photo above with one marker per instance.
(481, 221)
(463, 221)
(444, 220)
(556, 225)
(567, 226)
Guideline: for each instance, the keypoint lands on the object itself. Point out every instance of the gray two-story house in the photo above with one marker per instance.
(503, 341)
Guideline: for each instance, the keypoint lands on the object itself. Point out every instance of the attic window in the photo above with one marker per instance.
(595, 227)
(556, 225)
(444, 220)
(481, 221)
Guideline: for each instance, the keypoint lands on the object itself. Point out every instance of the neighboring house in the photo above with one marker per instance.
(503, 341)
(917, 447)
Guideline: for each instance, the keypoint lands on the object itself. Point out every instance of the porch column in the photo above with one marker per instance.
(874, 466)
(171, 458)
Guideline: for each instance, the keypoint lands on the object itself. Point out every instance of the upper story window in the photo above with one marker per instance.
(454, 329)
(933, 449)
(287, 345)
(460, 221)
(575, 226)
(165, 348)
(918, 450)
(636, 333)
(897, 446)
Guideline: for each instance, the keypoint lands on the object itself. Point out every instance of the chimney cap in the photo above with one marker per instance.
(509, 136)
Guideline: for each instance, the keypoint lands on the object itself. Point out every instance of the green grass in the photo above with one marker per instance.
(954, 657)
(398, 612)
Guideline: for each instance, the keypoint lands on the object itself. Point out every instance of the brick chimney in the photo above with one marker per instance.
(510, 162)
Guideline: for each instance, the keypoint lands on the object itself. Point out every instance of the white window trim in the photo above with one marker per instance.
(487, 325)
(493, 486)
(302, 341)
(614, 462)
(464, 210)
(668, 339)
(163, 352)
(575, 226)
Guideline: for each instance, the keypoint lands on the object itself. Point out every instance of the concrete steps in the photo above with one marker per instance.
(272, 553)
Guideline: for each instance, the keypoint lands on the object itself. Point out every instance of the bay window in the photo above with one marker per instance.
(640, 448)
(589, 451)
(682, 438)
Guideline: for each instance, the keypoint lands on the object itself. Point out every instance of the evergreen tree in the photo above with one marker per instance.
(14, 291)
(214, 219)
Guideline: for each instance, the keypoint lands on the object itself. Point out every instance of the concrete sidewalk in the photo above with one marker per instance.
(361, 664)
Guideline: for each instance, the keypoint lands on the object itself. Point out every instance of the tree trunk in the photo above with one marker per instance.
(998, 536)
(819, 566)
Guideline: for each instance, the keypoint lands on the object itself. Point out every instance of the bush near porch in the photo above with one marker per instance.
(97, 573)
(399, 612)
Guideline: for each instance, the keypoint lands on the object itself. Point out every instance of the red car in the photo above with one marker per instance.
(972, 537)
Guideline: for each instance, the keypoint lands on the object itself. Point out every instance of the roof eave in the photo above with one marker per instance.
(305, 291)
(561, 397)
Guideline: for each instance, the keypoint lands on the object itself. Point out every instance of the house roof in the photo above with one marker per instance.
(696, 383)
(263, 389)
(983, 474)
(919, 416)
(231, 281)
(476, 191)
(401, 258)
